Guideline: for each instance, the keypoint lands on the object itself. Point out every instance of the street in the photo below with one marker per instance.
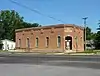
(49, 65)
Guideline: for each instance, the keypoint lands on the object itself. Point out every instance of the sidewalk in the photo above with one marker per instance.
(14, 52)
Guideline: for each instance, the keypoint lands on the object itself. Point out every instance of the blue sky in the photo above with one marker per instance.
(69, 11)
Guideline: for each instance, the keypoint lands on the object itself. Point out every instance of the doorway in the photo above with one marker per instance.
(68, 43)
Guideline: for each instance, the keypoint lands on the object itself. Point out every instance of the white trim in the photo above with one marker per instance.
(68, 35)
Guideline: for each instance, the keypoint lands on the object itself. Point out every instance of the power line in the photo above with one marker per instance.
(36, 11)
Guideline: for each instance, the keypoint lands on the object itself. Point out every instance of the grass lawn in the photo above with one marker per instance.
(86, 52)
(3, 50)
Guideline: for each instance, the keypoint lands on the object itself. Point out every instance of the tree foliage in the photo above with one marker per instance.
(11, 20)
(97, 38)
(89, 34)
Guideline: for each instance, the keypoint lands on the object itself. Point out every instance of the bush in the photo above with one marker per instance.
(1, 44)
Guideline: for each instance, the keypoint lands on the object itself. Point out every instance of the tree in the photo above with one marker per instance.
(28, 25)
(11, 20)
(89, 34)
(1, 44)
(97, 40)
(1, 29)
(97, 37)
(93, 35)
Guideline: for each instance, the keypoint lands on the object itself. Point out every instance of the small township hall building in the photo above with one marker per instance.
(53, 38)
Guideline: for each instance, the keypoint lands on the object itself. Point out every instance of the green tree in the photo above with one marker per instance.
(11, 20)
(93, 35)
(97, 38)
(1, 44)
(27, 25)
(89, 34)
(1, 29)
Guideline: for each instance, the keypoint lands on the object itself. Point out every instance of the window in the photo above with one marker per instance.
(58, 41)
(28, 43)
(37, 40)
(47, 41)
(19, 43)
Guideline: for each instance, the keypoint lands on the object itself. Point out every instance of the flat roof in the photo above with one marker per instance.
(50, 26)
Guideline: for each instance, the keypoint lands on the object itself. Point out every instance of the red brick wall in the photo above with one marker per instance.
(52, 33)
(32, 34)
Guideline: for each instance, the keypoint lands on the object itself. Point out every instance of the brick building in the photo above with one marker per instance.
(53, 38)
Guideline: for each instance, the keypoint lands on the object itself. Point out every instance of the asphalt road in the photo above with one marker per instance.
(49, 65)
(92, 61)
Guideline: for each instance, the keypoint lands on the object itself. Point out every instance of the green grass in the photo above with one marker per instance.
(87, 52)
(3, 50)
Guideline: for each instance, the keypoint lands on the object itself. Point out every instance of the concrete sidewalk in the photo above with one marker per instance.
(32, 53)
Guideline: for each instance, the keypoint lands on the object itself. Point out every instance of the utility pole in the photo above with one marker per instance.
(85, 18)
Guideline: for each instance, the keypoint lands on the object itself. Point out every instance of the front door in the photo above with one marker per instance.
(67, 44)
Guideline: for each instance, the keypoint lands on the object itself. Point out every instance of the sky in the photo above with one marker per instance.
(69, 11)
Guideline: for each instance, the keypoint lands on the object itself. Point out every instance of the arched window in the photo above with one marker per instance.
(47, 41)
(37, 42)
(28, 43)
(58, 41)
(19, 43)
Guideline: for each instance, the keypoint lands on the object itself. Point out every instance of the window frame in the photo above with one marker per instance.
(28, 42)
(36, 42)
(58, 41)
(47, 42)
(19, 43)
